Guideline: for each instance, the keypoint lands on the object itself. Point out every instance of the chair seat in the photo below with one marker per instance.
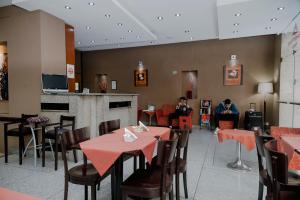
(146, 183)
(15, 131)
(51, 133)
(78, 176)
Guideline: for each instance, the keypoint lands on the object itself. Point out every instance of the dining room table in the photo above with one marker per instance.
(7, 194)
(107, 151)
(290, 144)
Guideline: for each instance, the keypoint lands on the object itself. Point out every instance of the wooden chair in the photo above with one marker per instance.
(155, 181)
(181, 162)
(285, 186)
(66, 123)
(263, 178)
(19, 132)
(84, 174)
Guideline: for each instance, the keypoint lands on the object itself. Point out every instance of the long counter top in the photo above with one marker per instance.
(90, 94)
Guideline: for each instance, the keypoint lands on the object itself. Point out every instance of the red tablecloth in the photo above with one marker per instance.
(288, 144)
(246, 138)
(104, 150)
(6, 194)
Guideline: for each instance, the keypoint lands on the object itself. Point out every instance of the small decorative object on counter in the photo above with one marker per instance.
(102, 82)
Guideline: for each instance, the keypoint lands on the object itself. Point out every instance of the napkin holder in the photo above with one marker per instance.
(129, 136)
(143, 126)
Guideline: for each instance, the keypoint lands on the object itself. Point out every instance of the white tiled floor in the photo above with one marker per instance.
(208, 176)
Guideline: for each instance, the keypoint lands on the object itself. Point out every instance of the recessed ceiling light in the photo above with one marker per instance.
(87, 27)
(280, 8)
(273, 19)
(107, 15)
(119, 24)
(92, 41)
(237, 14)
(151, 42)
(68, 7)
(160, 18)
(78, 42)
(91, 3)
(191, 38)
(177, 14)
(235, 31)
(130, 31)
(187, 31)
(236, 24)
(268, 27)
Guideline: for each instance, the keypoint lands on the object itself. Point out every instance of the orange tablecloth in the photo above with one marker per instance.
(104, 150)
(246, 138)
(288, 144)
(6, 194)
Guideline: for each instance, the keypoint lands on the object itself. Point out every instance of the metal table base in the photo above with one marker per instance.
(239, 164)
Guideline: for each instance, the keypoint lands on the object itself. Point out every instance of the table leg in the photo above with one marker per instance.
(150, 120)
(239, 164)
(142, 161)
(118, 178)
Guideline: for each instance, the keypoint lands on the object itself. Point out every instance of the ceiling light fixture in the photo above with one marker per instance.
(91, 3)
(78, 42)
(236, 24)
(119, 24)
(107, 15)
(177, 14)
(92, 41)
(68, 7)
(237, 14)
(187, 31)
(268, 28)
(160, 18)
(87, 27)
(235, 31)
(191, 38)
(130, 31)
(280, 8)
(273, 19)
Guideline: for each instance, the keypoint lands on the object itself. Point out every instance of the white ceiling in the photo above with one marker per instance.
(198, 20)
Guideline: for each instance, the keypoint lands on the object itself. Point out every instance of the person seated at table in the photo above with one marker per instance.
(227, 111)
(182, 109)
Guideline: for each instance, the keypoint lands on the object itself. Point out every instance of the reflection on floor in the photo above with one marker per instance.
(208, 176)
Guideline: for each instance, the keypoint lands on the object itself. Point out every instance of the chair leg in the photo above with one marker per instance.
(43, 150)
(37, 142)
(21, 140)
(93, 192)
(177, 186)
(260, 191)
(185, 185)
(5, 147)
(171, 194)
(56, 154)
(86, 192)
(75, 155)
(124, 196)
(66, 189)
(134, 163)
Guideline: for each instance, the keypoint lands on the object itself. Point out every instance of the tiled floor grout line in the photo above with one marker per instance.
(203, 163)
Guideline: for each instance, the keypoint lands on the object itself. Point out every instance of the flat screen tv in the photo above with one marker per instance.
(53, 83)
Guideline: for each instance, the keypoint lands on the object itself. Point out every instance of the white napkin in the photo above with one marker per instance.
(143, 126)
(129, 136)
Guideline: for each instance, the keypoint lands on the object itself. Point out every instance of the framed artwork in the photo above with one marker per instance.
(141, 78)
(3, 76)
(114, 85)
(233, 75)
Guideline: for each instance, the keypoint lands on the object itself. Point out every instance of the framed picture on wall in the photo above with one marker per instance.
(233, 75)
(114, 85)
(141, 78)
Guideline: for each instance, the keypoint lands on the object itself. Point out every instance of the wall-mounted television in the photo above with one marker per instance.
(54, 83)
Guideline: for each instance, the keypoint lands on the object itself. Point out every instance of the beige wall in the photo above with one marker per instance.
(28, 36)
(207, 57)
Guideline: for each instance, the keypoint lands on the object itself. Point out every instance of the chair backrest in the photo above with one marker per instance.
(24, 117)
(260, 141)
(277, 163)
(69, 140)
(226, 124)
(167, 109)
(183, 139)
(165, 156)
(67, 119)
(109, 126)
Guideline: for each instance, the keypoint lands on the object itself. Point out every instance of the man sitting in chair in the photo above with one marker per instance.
(182, 109)
(227, 111)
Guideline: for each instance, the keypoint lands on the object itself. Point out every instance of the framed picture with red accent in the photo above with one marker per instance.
(141, 78)
(233, 75)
